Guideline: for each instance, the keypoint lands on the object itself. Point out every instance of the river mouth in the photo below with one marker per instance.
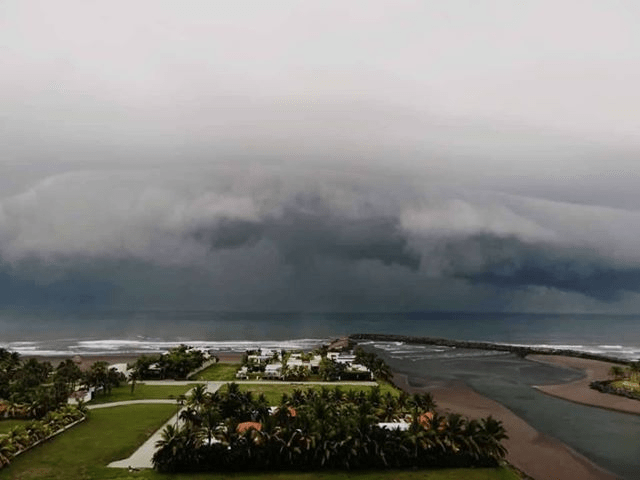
(610, 439)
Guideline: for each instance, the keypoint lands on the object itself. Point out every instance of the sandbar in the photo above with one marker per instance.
(579, 390)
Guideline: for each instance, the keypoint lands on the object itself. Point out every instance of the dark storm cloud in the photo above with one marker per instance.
(320, 155)
(230, 233)
(308, 228)
(303, 234)
(510, 263)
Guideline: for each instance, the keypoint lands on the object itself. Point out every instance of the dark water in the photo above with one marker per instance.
(610, 439)
(611, 335)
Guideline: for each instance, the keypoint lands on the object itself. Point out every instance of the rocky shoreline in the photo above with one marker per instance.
(521, 351)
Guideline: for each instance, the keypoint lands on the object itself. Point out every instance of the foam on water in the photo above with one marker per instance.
(146, 346)
(413, 352)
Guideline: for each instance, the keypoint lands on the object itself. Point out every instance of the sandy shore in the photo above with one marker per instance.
(579, 391)
(538, 455)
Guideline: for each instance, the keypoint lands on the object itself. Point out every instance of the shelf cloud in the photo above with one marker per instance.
(370, 156)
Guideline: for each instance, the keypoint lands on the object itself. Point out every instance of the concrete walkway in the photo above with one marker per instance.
(129, 402)
(141, 458)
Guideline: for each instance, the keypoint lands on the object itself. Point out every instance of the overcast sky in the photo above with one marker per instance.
(370, 155)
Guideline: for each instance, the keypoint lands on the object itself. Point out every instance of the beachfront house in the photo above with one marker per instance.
(83, 395)
(242, 374)
(273, 371)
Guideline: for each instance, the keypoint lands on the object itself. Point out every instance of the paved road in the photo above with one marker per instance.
(141, 458)
(129, 402)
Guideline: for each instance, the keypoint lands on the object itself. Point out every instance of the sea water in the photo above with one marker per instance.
(138, 331)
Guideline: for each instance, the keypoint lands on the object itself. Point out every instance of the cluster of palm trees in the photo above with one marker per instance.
(31, 388)
(177, 363)
(23, 437)
(326, 428)
(374, 363)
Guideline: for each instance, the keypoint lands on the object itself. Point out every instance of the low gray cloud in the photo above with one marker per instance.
(511, 263)
(280, 240)
(324, 156)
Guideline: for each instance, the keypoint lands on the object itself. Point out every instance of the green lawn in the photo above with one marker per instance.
(6, 425)
(110, 434)
(142, 391)
(274, 392)
(219, 372)
(82, 452)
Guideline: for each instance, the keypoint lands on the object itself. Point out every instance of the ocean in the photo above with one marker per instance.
(137, 331)
(610, 439)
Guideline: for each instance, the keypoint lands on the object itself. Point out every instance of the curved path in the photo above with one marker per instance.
(129, 402)
(141, 458)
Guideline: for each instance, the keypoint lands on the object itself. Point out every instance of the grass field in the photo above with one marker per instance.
(142, 391)
(82, 452)
(6, 425)
(274, 392)
(219, 372)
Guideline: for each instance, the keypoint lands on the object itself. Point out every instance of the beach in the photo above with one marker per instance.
(579, 390)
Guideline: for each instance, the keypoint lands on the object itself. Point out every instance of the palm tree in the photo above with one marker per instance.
(170, 450)
(134, 376)
(617, 372)
(198, 396)
(492, 433)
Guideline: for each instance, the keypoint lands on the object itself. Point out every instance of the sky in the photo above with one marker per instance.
(320, 156)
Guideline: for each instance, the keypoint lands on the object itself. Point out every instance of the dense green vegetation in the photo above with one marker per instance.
(274, 392)
(627, 384)
(325, 429)
(625, 381)
(30, 389)
(219, 372)
(176, 364)
(8, 424)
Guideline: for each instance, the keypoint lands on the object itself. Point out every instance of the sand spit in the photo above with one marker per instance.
(579, 391)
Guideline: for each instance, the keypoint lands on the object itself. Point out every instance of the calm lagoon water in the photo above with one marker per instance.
(610, 439)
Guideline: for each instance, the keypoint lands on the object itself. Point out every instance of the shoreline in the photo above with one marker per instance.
(534, 453)
(579, 391)
(521, 350)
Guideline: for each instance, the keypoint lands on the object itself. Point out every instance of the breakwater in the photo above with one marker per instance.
(520, 350)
